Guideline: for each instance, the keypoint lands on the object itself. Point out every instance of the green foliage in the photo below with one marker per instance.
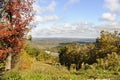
(12, 75)
(68, 55)
(2, 65)
(34, 52)
(76, 54)
(105, 51)
(107, 43)
(111, 62)
(44, 56)
(40, 55)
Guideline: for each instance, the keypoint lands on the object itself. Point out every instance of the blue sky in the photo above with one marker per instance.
(75, 18)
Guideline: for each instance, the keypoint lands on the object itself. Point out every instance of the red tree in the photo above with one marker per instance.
(15, 17)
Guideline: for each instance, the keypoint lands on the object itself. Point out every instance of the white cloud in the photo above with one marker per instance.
(70, 2)
(38, 9)
(67, 25)
(65, 30)
(75, 30)
(51, 6)
(44, 19)
(38, 19)
(113, 5)
(43, 13)
(51, 18)
(112, 26)
(108, 17)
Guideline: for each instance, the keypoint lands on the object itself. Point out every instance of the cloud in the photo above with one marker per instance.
(67, 25)
(112, 5)
(45, 19)
(70, 2)
(108, 17)
(51, 18)
(49, 8)
(66, 30)
(43, 13)
(74, 30)
(112, 26)
(38, 9)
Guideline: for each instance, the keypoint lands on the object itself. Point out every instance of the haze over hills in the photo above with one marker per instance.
(63, 39)
(47, 43)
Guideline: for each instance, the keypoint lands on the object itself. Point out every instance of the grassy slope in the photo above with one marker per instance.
(29, 69)
(42, 71)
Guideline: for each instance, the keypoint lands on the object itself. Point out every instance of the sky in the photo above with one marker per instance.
(75, 18)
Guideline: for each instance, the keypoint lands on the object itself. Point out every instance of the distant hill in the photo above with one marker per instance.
(47, 43)
(66, 39)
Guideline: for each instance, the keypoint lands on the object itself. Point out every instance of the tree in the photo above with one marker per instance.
(73, 54)
(15, 17)
(107, 43)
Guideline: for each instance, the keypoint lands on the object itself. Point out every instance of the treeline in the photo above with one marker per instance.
(104, 53)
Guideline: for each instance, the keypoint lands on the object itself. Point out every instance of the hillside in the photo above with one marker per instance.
(35, 70)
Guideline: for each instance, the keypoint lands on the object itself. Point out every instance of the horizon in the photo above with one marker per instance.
(61, 38)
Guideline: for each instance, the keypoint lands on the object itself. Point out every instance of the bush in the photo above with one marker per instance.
(111, 62)
(33, 52)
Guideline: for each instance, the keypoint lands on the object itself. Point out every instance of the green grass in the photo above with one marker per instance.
(29, 69)
(42, 71)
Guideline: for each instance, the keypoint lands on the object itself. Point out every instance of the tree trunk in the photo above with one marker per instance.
(8, 62)
(78, 66)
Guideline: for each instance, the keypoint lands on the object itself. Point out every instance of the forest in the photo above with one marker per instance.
(22, 59)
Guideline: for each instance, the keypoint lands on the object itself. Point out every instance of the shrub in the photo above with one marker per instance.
(111, 62)
(33, 52)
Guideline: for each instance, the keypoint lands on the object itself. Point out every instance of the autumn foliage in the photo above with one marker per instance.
(14, 21)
